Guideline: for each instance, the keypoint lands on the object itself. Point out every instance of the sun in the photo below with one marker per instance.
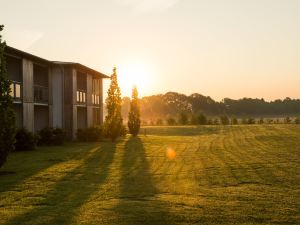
(134, 74)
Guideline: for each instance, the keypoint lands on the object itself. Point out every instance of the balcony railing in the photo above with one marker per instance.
(16, 90)
(41, 94)
(81, 96)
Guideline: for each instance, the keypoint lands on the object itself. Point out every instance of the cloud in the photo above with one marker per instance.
(143, 6)
(21, 38)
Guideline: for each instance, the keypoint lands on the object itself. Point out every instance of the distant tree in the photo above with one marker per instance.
(7, 115)
(159, 122)
(244, 120)
(224, 120)
(261, 121)
(194, 119)
(134, 121)
(183, 118)
(251, 121)
(297, 120)
(171, 121)
(202, 120)
(234, 121)
(287, 120)
(216, 121)
(209, 122)
(113, 125)
(269, 121)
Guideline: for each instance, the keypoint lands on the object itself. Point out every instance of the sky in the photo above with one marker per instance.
(218, 48)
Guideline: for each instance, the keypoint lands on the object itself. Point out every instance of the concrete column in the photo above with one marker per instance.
(101, 101)
(28, 99)
(50, 98)
(74, 103)
(58, 96)
(89, 101)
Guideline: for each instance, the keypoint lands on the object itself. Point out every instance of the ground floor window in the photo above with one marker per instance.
(96, 116)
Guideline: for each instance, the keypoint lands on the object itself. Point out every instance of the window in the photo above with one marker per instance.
(96, 116)
(96, 91)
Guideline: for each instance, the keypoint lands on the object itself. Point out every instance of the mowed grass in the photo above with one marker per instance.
(220, 175)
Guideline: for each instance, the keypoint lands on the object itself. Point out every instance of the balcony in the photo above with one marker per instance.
(16, 91)
(41, 94)
(81, 97)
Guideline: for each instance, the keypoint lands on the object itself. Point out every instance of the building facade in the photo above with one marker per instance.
(54, 94)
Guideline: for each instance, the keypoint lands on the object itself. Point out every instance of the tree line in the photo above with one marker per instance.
(172, 104)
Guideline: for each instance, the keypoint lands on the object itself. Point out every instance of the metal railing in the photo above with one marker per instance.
(41, 94)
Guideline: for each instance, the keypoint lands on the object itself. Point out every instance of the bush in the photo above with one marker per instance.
(183, 118)
(224, 120)
(261, 121)
(251, 121)
(171, 121)
(287, 120)
(159, 122)
(51, 136)
(25, 140)
(216, 121)
(90, 134)
(234, 121)
(297, 120)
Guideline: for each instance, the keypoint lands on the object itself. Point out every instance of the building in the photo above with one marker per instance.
(54, 94)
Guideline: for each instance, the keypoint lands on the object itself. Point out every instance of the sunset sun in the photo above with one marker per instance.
(134, 74)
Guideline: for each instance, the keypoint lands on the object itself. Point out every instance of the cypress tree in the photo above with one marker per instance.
(113, 125)
(134, 122)
(7, 115)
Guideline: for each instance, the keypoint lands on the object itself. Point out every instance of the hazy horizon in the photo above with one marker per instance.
(235, 49)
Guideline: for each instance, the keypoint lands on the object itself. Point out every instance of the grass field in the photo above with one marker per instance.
(220, 175)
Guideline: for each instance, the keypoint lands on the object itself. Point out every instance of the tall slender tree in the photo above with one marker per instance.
(113, 125)
(134, 121)
(7, 115)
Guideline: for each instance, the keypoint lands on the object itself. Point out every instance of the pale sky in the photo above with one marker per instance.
(219, 48)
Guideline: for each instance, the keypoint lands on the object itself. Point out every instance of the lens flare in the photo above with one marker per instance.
(171, 154)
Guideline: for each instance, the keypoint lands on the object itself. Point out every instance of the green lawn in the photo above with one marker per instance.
(220, 175)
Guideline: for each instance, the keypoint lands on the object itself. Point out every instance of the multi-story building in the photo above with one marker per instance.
(54, 94)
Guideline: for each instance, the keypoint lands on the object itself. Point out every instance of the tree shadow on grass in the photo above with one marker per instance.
(21, 167)
(70, 193)
(139, 203)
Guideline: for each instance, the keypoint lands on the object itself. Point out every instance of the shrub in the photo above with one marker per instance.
(25, 140)
(90, 134)
(216, 121)
(234, 121)
(171, 121)
(159, 122)
(202, 119)
(183, 118)
(251, 121)
(224, 120)
(51, 136)
(261, 121)
(297, 120)
(287, 120)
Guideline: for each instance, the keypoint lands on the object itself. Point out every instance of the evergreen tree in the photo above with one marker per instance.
(7, 115)
(113, 125)
(134, 122)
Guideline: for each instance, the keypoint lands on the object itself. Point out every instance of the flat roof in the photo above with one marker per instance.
(14, 51)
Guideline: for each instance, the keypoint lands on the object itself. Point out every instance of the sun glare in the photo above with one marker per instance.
(134, 74)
